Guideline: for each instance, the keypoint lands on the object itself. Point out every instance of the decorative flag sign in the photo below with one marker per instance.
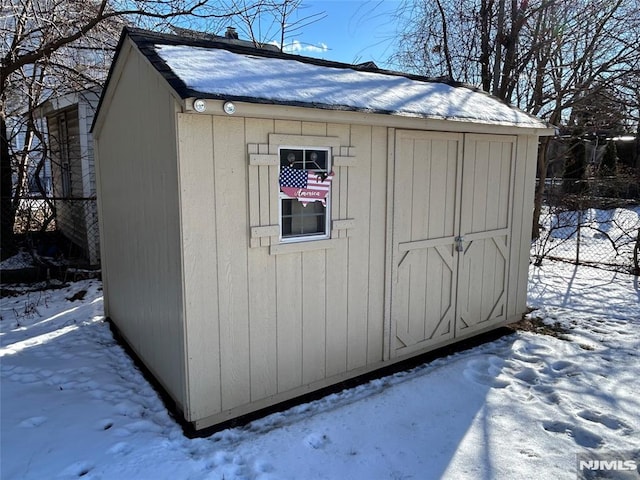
(305, 185)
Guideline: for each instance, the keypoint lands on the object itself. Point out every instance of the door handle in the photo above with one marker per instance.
(459, 246)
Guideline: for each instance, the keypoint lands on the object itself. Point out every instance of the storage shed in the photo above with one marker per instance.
(273, 224)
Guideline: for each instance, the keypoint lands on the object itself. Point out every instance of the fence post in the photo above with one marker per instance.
(636, 253)
(579, 234)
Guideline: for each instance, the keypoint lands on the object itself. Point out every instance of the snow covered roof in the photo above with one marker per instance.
(210, 69)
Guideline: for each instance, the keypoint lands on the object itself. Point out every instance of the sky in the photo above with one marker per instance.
(352, 31)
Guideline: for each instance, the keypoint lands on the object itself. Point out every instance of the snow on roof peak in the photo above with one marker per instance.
(221, 73)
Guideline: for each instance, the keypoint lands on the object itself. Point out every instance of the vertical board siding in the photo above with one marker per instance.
(358, 206)
(158, 135)
(263, 310)
(495, 184)
(507, 170)
(231, 203)
(522, 215)
(337, 310)
(140, 207)
(476, 172)
(436, 220)
(376, 230)
(199, 250)
(419, 176)
(289, 324)
(314, 289)
(293, 319)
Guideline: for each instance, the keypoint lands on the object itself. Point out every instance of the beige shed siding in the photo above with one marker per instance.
(262, 271)
(230, 189)
(367, 206)
(525, 178)
(199, 249)
(267, 321)
(138, 183)
(264, 321)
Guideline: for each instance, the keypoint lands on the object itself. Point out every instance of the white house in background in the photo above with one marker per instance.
(69, 118)
(274, 224)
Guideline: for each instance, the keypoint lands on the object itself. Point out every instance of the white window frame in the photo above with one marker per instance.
(281, 196)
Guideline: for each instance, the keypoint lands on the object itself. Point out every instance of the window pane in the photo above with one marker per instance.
(298, 220)
(286, 218)
(293, 158)
(316, 160)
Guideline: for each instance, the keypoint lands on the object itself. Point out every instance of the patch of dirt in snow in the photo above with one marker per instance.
(538, 325)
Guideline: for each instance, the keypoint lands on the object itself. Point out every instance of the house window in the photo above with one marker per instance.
(299, 169)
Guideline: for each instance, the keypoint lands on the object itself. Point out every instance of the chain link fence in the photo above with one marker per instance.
(49, 208)
(594, 222)
(591, 222)
(52, 238)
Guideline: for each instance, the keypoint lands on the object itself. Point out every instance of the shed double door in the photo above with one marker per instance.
(451, 203)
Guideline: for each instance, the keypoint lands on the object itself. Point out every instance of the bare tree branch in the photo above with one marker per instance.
(49, 48)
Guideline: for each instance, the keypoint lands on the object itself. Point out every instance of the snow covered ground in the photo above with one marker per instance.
(74, 406)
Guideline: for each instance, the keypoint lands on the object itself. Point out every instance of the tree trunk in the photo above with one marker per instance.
(508, 79)
(445, 41)
(540, 188)
(485, 48)
(497, 59)
(36, 175)
(6, 205)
